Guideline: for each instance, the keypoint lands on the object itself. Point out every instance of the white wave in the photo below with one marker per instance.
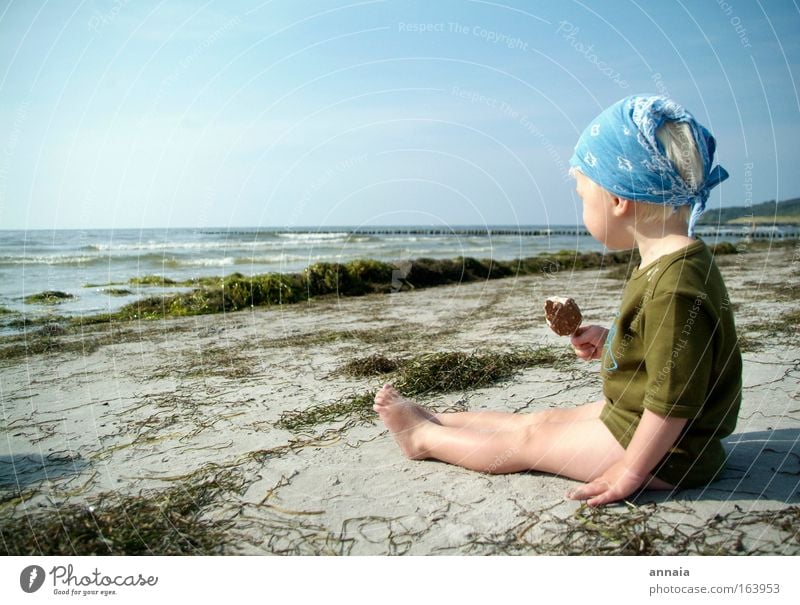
(47, 260)
(272, 260)
(203, 262)
(312, 237)
(155, 246)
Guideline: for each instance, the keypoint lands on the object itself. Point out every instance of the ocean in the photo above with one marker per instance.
(95, 265)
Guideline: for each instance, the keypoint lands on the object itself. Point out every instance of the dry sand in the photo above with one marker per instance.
(202, 395)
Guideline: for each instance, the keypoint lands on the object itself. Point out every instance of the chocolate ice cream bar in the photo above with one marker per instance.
(563, 315)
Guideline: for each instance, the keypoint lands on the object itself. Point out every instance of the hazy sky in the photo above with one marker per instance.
(285, 112)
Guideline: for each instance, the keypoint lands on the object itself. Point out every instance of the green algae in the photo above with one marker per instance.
(444, 372)
(152, 280)
(48, 297)
(425, 374)
(166, 522)
(631, 529)
(371, 365)
(356, 278)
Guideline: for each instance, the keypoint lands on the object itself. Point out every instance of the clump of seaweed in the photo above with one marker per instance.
(454, 371)
(351, 279)
(167, 522)
(118, 291)
(47, 341)
(722, 248)
(152, 280)
(356, 409)
(48, 297)
(371, 365)
(427, 272)
(355, 278)
(5, 311)
(425, 374)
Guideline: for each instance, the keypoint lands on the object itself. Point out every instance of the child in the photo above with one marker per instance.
(670, 364)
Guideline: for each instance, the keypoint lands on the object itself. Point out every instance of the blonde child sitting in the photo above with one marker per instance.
(670, 363)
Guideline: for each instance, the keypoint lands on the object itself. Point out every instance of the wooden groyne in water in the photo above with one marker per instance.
(764, 233)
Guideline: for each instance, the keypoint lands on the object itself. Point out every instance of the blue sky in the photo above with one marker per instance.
(130, 114)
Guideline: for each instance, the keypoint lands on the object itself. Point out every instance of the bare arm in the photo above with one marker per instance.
(651, 441)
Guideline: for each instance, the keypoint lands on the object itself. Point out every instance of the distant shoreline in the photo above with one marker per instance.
(739, 228)
(785, 213)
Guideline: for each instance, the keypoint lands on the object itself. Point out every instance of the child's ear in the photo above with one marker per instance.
(621, 206)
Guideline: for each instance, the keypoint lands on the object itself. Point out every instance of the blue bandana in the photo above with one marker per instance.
(620, 152)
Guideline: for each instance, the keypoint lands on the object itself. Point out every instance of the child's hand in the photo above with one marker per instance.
(617, 483)
(588, 342)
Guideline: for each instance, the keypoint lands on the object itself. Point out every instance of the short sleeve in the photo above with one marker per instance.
(678, 336)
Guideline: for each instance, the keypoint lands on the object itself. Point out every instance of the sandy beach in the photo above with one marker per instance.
(203, 406)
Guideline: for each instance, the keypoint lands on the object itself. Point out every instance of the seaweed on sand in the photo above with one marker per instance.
(356, 408)
(425, 374)
(786, 324)
(455, 371)
(647, 529)
(355, 278)
(166, 522)
(47, 340)
(371, 365)
(56, 335)
(229, 362)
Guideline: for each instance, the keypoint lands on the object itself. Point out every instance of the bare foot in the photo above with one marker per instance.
(404, 419)
(422, 411)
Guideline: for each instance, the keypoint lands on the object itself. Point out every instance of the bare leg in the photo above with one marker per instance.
(506, 421)
(581, 449)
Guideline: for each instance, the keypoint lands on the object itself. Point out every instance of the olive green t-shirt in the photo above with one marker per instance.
(673, 350)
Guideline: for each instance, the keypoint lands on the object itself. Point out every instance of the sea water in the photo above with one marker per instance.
(92, 264)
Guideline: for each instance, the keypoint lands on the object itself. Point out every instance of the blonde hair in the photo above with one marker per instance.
(681, 150)
(647, 212)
